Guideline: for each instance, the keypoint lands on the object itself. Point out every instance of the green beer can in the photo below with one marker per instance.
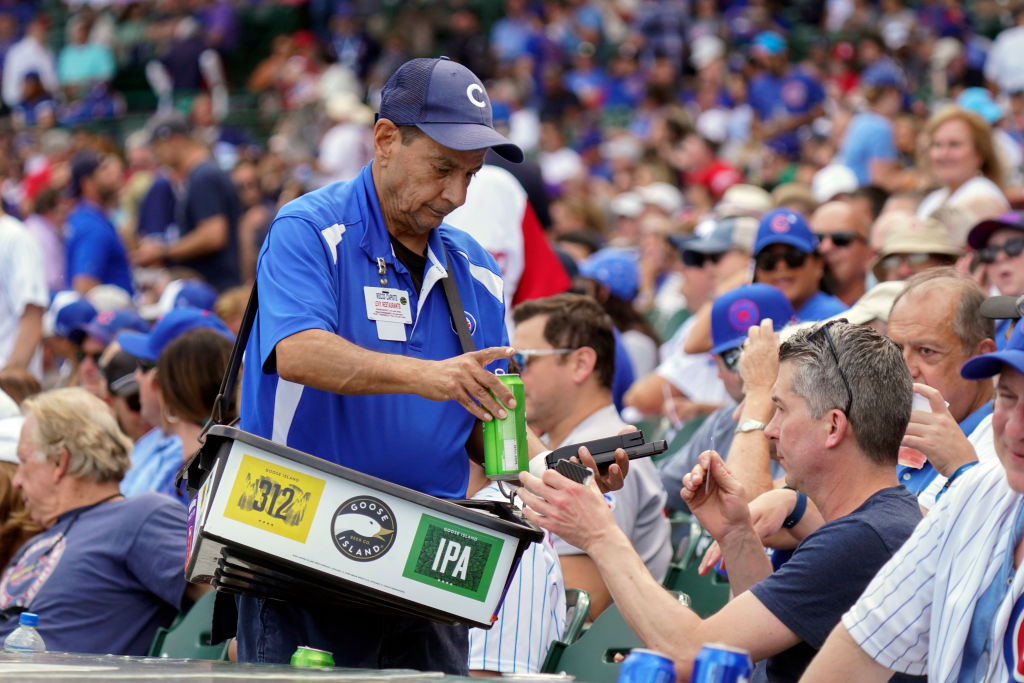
(311, 658)
(505, 453)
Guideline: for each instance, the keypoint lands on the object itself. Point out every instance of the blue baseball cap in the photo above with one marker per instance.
(105, 326)
(616, 269)
(68, 312)
(148, 346)
(769, 42)
(739, 309)
(979, 100)
(990, 364)
(883, 74)
(181, 293)
(446, 101)
(783, 226)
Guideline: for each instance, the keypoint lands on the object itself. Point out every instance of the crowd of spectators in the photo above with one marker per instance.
(675, 152)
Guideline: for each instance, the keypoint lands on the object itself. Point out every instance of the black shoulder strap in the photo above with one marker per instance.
(458, 313)
(227, 382)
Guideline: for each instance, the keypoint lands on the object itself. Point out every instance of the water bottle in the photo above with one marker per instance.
(25, 639)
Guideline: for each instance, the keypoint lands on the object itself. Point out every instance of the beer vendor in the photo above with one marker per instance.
(353, 356)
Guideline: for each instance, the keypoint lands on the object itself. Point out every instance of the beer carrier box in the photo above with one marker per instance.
(269, 520)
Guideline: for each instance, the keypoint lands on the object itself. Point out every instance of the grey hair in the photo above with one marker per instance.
(969, 325)
(879, 381)
(75, 420)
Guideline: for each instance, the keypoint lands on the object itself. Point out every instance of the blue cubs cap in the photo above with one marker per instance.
(105, 326)
(783, 226)
(69, 313)
(769, 42)
(739, 309)
(446, 101)
(616, 269)
(990, 364)
(977, 238)
(148, 346)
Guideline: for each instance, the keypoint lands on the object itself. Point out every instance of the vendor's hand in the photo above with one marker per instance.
(577, 513)
(614, 477)
(465, 379)
(937, 434)
(759, 364)
(767, 513)
(149, 252)
(723, 508)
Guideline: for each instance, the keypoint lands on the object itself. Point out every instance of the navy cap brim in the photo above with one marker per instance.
(471, 136)
(977, 238)
(783, 239)
(137, 344)
(991, 364)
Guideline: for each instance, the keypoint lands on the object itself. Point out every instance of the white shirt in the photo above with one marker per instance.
(22, 283)
(532, 615)
(915, 614)
(638, 507)
(24, 56)
(976, 188)
(1002, 66)
(344, 149)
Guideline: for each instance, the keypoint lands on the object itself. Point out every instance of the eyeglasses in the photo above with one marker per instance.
(843, 238)
(767, 260)
(731, 358)
(828, 337)
(522, 357)
(894, 261)
(694, 259)
(1011, 248)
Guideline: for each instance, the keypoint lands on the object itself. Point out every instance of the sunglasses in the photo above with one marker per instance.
(823, 330)
(731, 358)
(768, 260)
(1011, 248)
(521, 358)
(841, 239)
(893, 261)
(693, 259)
(81, 355)
(144, 365)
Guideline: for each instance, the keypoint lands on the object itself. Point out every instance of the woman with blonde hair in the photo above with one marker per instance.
(963, 160)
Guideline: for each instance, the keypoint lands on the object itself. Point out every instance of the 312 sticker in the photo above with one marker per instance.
(274, 498)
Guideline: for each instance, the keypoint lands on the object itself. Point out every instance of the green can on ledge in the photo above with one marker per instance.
(311, 658)
(505, 452)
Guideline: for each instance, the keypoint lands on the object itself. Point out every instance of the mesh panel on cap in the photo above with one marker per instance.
(405, 93)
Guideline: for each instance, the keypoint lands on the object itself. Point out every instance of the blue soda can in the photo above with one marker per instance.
(647, 666)
(719, 663)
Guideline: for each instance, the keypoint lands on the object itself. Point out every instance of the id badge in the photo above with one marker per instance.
(385, 304)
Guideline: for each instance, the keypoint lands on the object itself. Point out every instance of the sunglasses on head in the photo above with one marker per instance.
(694, 259)
(731, 358)
(843, 238)
(768, 260)
(1011, 248)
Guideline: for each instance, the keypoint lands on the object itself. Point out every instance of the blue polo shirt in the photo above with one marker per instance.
(320, 253)
(94, 249)
(917, 480)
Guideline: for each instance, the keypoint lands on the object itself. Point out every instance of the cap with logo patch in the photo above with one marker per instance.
(446, 101)
(149, 345)
(739, 309)
(783, 226)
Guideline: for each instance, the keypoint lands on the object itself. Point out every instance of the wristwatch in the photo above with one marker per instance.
(750, 425)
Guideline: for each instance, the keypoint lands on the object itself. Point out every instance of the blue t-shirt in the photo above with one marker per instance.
(773, 97)
(209, 192)
(819, 307)
(156, 459)
(829, 570)
(94, 249)
(869, 136)
(103, 578)
(320, 254)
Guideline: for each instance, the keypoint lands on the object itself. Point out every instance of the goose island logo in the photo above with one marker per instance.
(363, 528)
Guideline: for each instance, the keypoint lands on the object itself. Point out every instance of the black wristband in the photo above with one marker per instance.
(798, 512)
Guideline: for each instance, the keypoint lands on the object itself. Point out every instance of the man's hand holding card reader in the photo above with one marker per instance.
(603, 450)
